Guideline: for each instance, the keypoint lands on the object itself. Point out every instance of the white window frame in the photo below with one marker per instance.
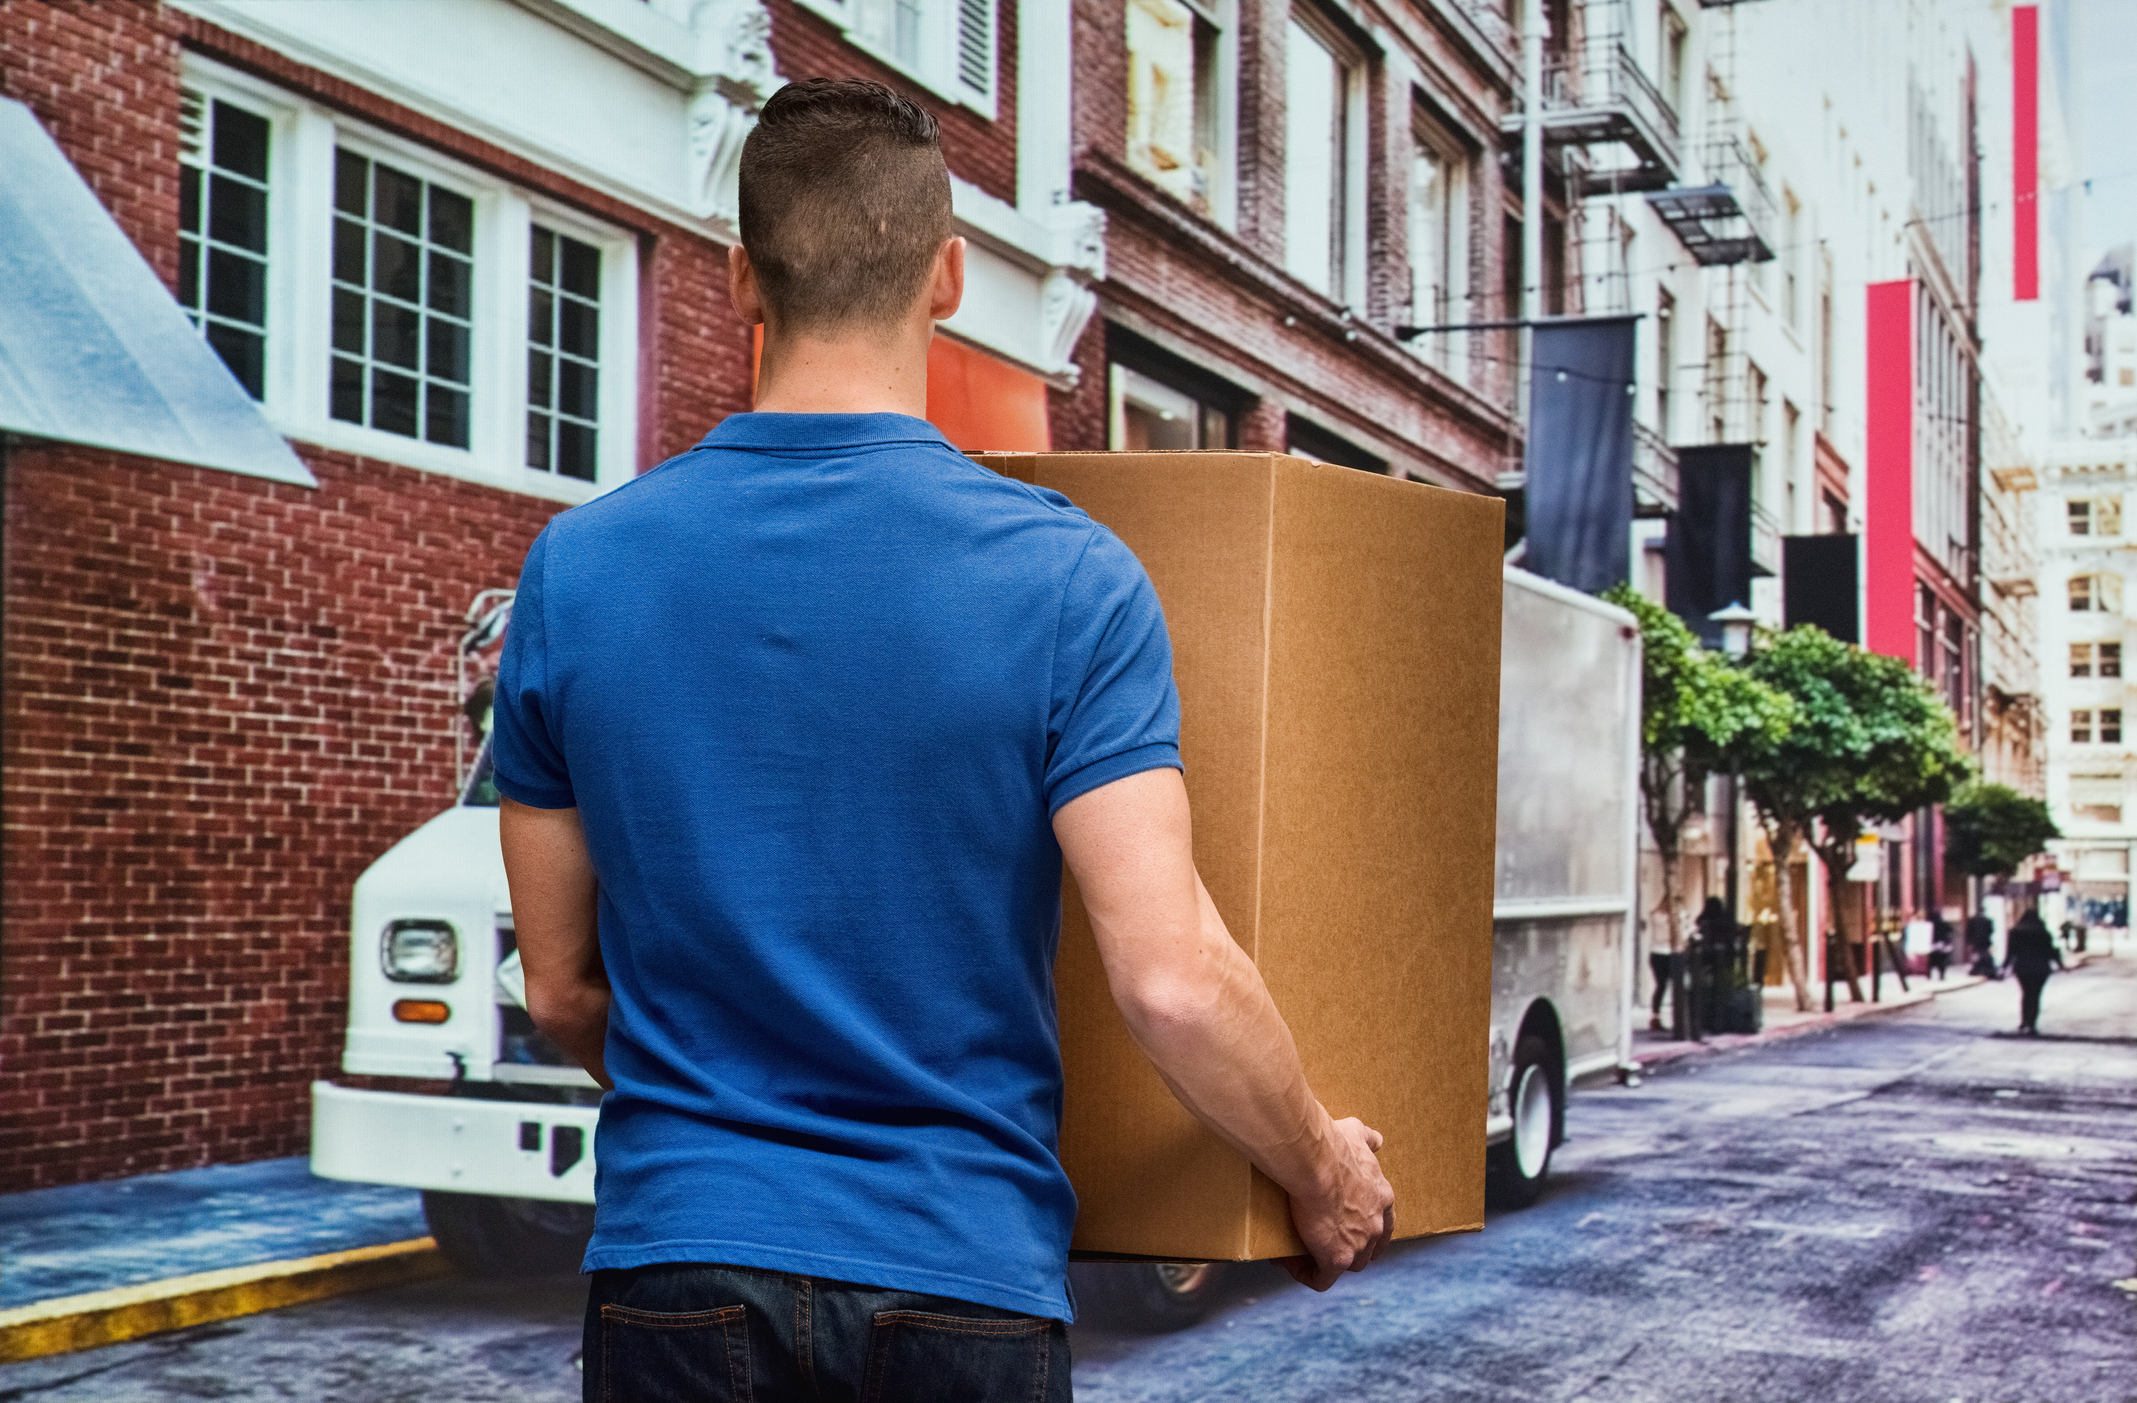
(302, 141)
(1347, 285)
(937, 69)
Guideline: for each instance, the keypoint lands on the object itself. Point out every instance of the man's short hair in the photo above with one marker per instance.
(845, 203)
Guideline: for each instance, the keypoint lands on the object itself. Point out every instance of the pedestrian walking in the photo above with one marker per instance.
(795, 733)
(1940, 946)
(2030, 953)
(1981, 945)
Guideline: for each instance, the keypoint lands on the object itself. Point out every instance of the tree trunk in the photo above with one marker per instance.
(1836, 857)
(1782, 838)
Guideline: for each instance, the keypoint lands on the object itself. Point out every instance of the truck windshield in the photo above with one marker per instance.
(481, 791)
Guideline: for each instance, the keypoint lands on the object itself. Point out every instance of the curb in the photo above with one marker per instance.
(68, 1323)
(1843, 1013)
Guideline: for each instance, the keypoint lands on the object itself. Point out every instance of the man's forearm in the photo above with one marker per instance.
(575, 1018)
(555, 895)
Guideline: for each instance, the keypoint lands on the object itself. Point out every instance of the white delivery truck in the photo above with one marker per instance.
(504, 1153)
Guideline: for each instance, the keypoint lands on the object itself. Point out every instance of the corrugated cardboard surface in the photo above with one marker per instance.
(1336, 644)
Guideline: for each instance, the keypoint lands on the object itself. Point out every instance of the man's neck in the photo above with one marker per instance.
(868, 374)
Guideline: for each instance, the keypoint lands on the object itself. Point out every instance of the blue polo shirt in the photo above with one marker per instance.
(816, 688)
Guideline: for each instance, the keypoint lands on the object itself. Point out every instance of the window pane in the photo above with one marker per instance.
(576, 389)
(582, 267)
(452, 220)
(2110, 659)
(189, 274)
(237, 287)
(448, 351)
(538, 427)
(579, 329)
(575, 451)
(396, 334)
(447, 416)
(345, 391)
(1161, 94)
(398, 200)
(237, 213)
(542, 256)
(540, 368)
(189, 199)
(1312, 158)
(349, 251)
(393, 402)
(245, 352)
(541, 317)
(348, 321)
(352, 174)
(396, 267)
(450, 279)
(240, 142)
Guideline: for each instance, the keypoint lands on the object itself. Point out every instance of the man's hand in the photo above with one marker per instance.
(1198, 1008)
(1348, 1223)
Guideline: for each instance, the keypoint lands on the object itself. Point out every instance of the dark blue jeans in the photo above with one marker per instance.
(689, 1332)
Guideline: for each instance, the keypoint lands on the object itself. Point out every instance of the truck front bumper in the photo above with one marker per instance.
(514, 1149)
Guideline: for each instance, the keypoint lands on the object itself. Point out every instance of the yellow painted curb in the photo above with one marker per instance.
(96, 1318)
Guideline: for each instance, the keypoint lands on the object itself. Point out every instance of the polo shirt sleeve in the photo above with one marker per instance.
(526, 743)
(1114, 711)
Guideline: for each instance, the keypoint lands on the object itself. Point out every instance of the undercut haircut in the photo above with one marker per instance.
(845, 203)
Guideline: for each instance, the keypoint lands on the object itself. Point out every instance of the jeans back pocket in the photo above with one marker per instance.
(920, 1357)
(650, 1356)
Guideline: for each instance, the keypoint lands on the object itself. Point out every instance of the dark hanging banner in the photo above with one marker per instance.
(1818, 585)
(1579, 465)
(1707, 562)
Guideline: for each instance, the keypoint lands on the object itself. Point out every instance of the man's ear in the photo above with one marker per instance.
(946, 289)
(742, 288)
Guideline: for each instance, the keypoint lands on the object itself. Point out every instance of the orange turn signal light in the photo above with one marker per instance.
(421, 1011)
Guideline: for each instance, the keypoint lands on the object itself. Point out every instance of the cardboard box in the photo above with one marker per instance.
(1336, 643)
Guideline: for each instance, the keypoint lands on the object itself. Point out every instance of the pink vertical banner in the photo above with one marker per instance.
(2025, 153)
(1888, 472)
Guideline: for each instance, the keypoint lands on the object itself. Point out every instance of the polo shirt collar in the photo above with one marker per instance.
(809, 433)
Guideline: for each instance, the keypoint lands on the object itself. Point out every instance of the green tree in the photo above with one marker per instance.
(1991, 829)
(1871, 744)
(1698, 715)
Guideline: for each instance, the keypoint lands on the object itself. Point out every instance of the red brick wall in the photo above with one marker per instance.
(223, 698)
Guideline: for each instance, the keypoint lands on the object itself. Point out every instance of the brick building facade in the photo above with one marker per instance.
(225, 697)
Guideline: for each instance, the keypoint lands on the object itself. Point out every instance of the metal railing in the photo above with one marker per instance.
(1654, 472)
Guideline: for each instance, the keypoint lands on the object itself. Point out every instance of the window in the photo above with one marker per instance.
(1150, 414)
(1791, 255)
(2097, 516)
(2095, 594)
(1665, 358)
(2110, 659)
(2081, 726)
(946, 45)
(1836, 515)
(1307, 439)
(2097, 797)
(563, 354)
(404, 273)
(1674, 34)
(1716, 389)
(2111, 725)
(1439, 244)
(1177, 103)
(2081, 660)
(1791, 445)
(1755, 388)
(1321, 79)
(222, 232)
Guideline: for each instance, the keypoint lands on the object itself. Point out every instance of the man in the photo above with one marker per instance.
(794, 733)
(2029, 953)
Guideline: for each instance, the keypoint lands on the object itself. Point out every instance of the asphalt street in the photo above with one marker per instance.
(1918, 1208)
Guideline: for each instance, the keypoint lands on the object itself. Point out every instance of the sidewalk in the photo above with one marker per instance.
(1651, 1049)
(92, 1264)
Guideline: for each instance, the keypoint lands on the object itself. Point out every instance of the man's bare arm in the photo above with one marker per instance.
(1198, 1008)
(553, 916)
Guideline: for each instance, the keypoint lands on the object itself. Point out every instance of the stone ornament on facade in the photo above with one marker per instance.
(737, 74)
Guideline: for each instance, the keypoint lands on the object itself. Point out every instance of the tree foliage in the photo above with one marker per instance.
(1991, 829)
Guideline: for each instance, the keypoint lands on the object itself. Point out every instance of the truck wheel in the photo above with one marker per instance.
(1153, 1297)
(1519, 1163)
(484, 1235)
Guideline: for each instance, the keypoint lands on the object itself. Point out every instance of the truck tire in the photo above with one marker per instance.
(1517, 1165)
(1148, 1297)
(483, 1235)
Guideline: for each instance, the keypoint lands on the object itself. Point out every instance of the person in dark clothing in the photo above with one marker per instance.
(1661, 964)
(1981, 945)
(1940, 945)
(2030, 953)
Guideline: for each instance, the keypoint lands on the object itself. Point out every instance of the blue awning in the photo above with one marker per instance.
(93, 347)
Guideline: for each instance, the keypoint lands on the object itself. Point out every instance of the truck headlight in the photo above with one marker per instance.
(420, 952)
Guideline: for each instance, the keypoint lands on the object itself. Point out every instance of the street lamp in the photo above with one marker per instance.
(1736, 622)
